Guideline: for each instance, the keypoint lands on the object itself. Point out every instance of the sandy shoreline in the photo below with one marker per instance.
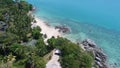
(46, 29)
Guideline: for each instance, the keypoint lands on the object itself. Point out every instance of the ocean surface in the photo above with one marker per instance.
(98, 20)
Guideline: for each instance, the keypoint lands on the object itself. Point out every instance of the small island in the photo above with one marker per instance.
(28, 42)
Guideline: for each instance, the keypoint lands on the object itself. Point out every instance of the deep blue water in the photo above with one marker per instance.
(95, 19)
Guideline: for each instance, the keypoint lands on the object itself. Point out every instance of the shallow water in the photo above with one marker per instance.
(95, 19)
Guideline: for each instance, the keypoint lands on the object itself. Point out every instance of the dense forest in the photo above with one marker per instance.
(15, 29)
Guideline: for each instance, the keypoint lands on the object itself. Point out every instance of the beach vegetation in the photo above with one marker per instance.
(36, 32)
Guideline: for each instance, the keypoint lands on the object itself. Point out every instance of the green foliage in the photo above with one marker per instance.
(1, 17)
(41, 47)
(35, 62)
(3, 50)
(40, 63)
(7, 61)
(69, 62)
(30, 6)
(18, 50)
(15, 15)
(8, 38)
(51, 43)
(28, 56)
(36, 32)
(86, 61)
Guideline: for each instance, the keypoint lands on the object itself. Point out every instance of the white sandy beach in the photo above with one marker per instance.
(48, 30)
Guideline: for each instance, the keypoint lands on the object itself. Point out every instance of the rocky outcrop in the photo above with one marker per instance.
(63, 29)
(99, 56)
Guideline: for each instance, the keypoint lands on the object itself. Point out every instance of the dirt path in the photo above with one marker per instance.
(53, 63)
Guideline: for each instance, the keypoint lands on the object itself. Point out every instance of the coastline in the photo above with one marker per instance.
(81, 26)
(54, 40)
(52, 31)
(58, 31)
(47, 29)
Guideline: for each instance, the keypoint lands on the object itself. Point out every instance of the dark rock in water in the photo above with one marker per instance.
(89, 42)
(100, 57)
(63, 29)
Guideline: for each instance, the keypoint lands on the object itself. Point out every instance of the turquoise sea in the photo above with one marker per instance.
(98, 20)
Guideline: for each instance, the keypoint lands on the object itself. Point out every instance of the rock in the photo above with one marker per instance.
(63, 29)
(89, 42)
(100, 57)
(99, 64)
